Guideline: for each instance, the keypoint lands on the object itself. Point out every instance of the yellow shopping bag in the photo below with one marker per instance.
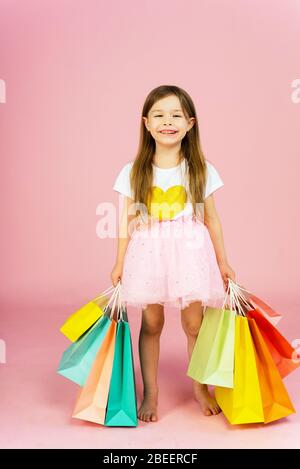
(243, 403)
(80, 321)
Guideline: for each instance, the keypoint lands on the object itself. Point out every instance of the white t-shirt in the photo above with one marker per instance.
(170, 185)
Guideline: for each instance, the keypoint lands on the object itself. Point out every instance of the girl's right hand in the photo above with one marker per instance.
(116, 273)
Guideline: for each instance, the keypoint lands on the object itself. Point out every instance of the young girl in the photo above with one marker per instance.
(170, 247)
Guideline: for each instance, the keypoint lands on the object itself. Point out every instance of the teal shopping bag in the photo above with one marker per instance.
(77, 359)
(121, 407)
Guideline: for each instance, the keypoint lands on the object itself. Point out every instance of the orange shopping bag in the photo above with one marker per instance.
(257, 303)
(283, 354)
(275, 399)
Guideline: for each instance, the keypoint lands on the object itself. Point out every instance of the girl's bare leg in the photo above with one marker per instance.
(149, 338)
(191, 319)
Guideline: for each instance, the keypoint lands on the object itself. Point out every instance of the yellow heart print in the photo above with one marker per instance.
(164, 205)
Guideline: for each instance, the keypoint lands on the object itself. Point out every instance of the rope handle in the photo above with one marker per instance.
(103, 293)
(119, 315)
(112, 298)
(237, 300)
(240, 295)
(228, 291)
(122, 305)
(240, 310)
(241, 300)
(117, 303)
(114, 303)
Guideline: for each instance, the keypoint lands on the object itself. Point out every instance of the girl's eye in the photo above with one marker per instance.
(159, 115)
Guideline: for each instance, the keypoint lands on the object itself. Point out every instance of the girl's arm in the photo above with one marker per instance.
(123, 239)
(213, 224)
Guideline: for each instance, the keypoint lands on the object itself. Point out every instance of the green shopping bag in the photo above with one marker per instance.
(212, 359)
(122, 404)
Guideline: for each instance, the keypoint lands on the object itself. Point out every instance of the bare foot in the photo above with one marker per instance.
(207, 403)
(148, 409)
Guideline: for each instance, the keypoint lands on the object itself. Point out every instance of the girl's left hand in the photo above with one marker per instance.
(227, 272)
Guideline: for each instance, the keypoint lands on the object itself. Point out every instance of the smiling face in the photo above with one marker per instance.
(167, 122)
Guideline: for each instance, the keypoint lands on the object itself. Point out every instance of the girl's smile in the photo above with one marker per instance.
(168, 132)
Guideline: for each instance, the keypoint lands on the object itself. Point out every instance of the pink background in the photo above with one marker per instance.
(76, 75)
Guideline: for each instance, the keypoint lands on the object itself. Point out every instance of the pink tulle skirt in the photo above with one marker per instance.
(173, 263)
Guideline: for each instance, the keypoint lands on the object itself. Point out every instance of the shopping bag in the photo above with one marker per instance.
(92, 398)
(85, 317)
(77, 359)
(122, 404)
(283, 354)
(257, 303)
(212, 357)
(275, 399)
(243, 403)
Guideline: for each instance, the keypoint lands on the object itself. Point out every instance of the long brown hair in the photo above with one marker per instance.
(141, 176)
